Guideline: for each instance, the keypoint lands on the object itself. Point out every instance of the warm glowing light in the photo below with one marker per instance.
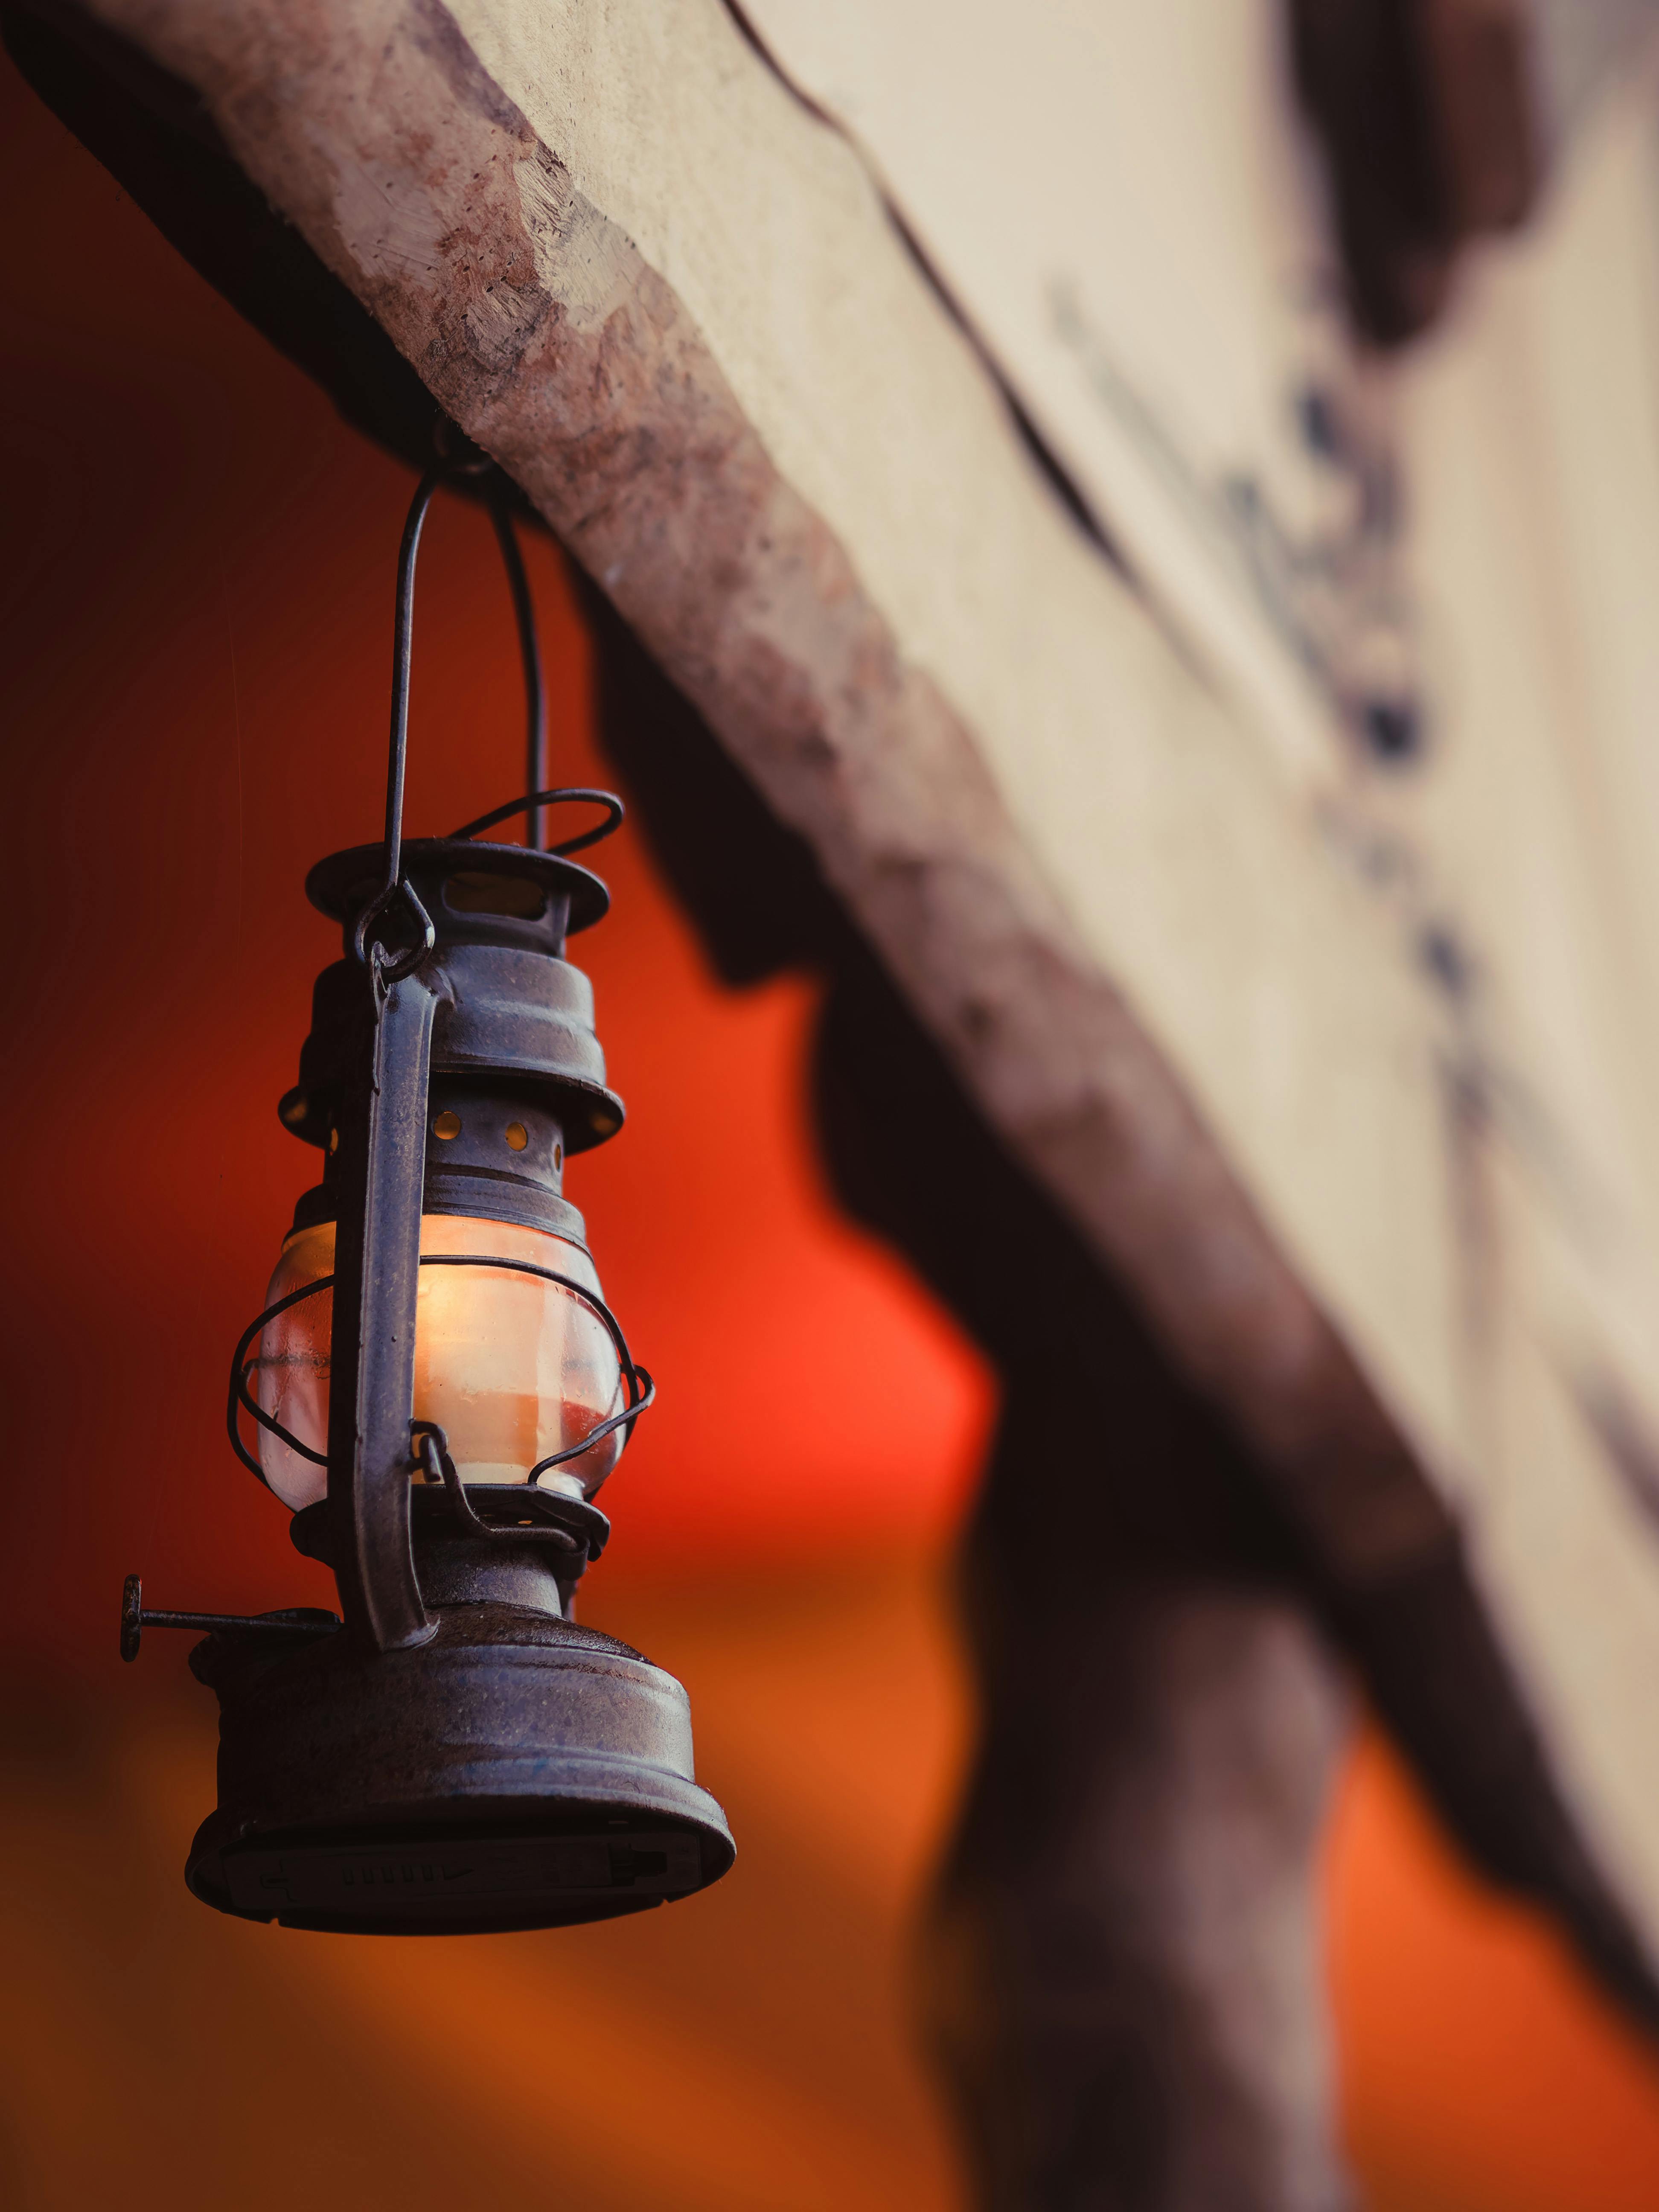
(512, 1367)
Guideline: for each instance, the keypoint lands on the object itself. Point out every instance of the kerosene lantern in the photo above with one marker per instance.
(437, 1390)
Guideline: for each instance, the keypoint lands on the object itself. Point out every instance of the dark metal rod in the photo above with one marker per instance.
(402, 652)
(391, 968)
(136, 1617)
(530, 652)
(615, 813)
(207, 1622)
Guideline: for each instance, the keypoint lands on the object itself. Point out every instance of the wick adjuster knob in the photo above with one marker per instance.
(298, 1622)
(132, 1616)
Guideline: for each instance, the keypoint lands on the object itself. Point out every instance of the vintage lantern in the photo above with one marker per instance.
(438, 1389)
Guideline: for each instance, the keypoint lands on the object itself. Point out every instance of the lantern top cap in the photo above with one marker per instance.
(453, 876)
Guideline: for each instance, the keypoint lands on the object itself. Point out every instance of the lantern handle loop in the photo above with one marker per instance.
(391, 968)
(462, 457)
(532, 803)
(530, 652)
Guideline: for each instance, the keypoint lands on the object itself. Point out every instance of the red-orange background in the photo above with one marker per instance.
(194, 608)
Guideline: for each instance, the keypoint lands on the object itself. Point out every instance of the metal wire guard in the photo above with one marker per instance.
(641, 1388)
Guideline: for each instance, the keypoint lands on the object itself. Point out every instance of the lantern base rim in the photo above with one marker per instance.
(518, 1771)
(564, 1862)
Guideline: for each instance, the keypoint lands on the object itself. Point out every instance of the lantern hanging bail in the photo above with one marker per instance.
(395, 885)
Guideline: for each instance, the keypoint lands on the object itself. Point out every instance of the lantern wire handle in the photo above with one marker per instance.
(535, 689)
(615, 814)
(403, 642)
(390, 968)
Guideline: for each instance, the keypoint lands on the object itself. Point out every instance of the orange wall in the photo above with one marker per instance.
(194, 611)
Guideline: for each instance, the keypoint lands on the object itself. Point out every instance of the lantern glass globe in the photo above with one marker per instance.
(512, 1367)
